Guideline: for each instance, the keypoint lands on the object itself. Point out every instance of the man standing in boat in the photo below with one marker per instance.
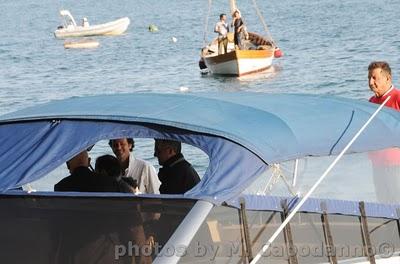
(385, 163)
(141, 171)
(239, 29)
(222, 29)
(177, 175)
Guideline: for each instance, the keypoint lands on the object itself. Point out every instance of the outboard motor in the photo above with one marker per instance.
(202, 64)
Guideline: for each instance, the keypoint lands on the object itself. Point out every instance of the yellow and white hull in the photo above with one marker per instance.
(240, 62)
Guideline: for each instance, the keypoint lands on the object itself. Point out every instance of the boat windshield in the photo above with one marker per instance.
(64, 229)
(370, 177)
(68, 20)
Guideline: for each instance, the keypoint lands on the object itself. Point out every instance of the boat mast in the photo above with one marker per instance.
(206, 23)
(232, 4)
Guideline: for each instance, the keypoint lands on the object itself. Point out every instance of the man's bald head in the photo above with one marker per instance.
(80, 160)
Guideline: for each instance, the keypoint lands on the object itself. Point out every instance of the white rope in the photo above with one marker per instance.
(303, 200)
(277, 174)
(263, 22)
(205, 41)
(273, 179)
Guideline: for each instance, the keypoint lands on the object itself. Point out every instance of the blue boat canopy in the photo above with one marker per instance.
(240, 132)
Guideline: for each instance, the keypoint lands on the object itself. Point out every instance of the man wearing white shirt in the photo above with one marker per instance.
(141, 171)
(222, 29)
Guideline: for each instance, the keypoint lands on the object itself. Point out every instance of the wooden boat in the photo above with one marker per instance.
(223, 219)
(256, 54)
(256, 58)
(81, 44)
(71, 29)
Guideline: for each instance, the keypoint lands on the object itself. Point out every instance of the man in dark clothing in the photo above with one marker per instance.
(109, 166)
(177, 175)
(82, 179)
(93, 236)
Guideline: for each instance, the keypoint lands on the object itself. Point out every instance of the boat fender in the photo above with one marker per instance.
(202, 64)
(278, 53)
(153, 28)
(184, 89)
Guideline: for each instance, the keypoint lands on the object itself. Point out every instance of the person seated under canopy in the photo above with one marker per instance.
(83, 179)
(177, 175)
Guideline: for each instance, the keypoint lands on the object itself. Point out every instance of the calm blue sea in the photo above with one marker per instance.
(327, 47)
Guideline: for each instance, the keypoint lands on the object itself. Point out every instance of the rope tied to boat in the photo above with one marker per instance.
(260, 16)
(277, 174)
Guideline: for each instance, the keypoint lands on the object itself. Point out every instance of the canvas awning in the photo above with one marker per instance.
(240, 132)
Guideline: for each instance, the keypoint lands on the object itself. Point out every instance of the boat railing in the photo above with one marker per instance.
(310, 237)
(228, 234)
(68, 19)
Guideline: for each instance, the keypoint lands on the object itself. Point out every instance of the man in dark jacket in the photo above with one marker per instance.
(176, 175)
(82, 179)
(93, 236)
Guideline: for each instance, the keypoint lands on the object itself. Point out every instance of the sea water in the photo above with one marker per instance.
(327, 46)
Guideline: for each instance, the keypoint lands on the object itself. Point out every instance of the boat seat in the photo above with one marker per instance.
(264, 47)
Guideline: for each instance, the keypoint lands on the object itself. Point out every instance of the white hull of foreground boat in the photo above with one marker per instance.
(240, 62)
(116, 27)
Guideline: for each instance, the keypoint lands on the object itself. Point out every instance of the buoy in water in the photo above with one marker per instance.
(278, 53)
(183, 89)
(153, 28)
(174, 39)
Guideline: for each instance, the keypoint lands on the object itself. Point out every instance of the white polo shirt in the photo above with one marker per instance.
(144, 173)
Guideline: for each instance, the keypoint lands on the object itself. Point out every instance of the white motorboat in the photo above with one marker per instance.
(81, 44)
(262, 198)
(71, 29)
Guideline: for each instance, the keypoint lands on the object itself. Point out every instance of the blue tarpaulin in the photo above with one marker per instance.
(240, 132)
